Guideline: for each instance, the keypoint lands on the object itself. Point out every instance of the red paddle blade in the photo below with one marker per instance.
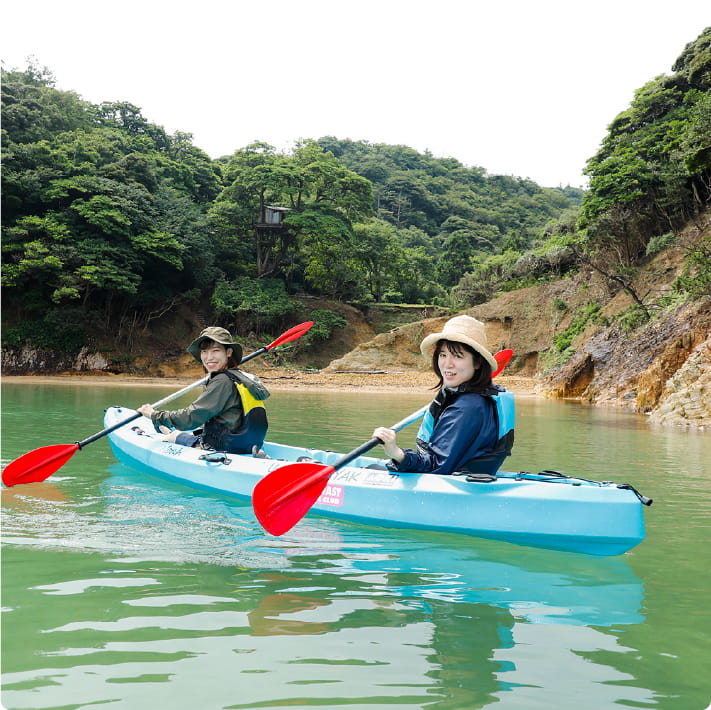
(38, 464)
(286, 494)
(292, 334)
(502, 357)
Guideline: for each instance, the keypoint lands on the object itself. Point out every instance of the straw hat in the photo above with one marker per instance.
(219, 335)
(461, 329)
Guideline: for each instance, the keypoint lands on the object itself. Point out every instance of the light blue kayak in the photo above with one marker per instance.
(541, 510)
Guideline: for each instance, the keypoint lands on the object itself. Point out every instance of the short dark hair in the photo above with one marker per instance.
(482, 374)
(231, 359)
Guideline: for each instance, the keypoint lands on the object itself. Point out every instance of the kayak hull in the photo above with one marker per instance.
(530, 509)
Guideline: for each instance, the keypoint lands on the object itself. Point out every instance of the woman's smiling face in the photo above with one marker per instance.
(455, 366)
(214, 356)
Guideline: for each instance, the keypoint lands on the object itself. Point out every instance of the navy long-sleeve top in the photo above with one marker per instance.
(465, 429)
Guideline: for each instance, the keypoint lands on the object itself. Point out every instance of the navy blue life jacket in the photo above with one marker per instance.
(253, 428)
(504, 409)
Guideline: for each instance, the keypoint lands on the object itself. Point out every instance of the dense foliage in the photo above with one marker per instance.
(108, 221)
(454, 218)
(104, 214)
(651, 176)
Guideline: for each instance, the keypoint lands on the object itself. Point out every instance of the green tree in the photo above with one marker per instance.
(100, 207)
(653, 164)
(322, 199)
(252, 305)
(378, 252)
(652, 172)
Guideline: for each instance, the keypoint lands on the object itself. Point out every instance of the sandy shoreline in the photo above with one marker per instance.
(284, 380)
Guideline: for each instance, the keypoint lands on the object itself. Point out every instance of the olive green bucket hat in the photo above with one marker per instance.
(219, 335)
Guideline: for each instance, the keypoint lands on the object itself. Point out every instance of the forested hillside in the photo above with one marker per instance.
(110, 224)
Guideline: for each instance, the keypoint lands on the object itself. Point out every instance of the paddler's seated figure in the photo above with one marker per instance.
(229, 414)
(469, 427)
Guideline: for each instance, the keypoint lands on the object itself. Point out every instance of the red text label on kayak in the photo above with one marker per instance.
(332, 495)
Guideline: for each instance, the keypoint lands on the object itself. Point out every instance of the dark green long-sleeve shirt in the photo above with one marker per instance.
(219, 400)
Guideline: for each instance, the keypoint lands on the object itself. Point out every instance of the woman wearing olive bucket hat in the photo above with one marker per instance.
(229, 414)
(469, 426)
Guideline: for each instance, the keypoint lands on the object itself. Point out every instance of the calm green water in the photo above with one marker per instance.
(124, 591)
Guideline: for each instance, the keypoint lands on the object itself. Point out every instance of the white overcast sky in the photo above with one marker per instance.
(522, 87)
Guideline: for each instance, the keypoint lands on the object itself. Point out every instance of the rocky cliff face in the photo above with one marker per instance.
(662, 369)
(686, 397)
(35, 360)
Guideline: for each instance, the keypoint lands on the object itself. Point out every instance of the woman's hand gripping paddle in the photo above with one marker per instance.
(285, 495)
(39, 464)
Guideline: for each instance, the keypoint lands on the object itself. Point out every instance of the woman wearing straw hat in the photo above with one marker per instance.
(228, 413)
(469, 425)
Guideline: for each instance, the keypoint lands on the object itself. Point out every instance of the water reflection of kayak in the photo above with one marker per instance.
(541, 510)
(545, 587)
(534, 585)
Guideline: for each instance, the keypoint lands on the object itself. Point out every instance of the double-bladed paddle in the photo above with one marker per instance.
(39, 464)
(285, 495)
